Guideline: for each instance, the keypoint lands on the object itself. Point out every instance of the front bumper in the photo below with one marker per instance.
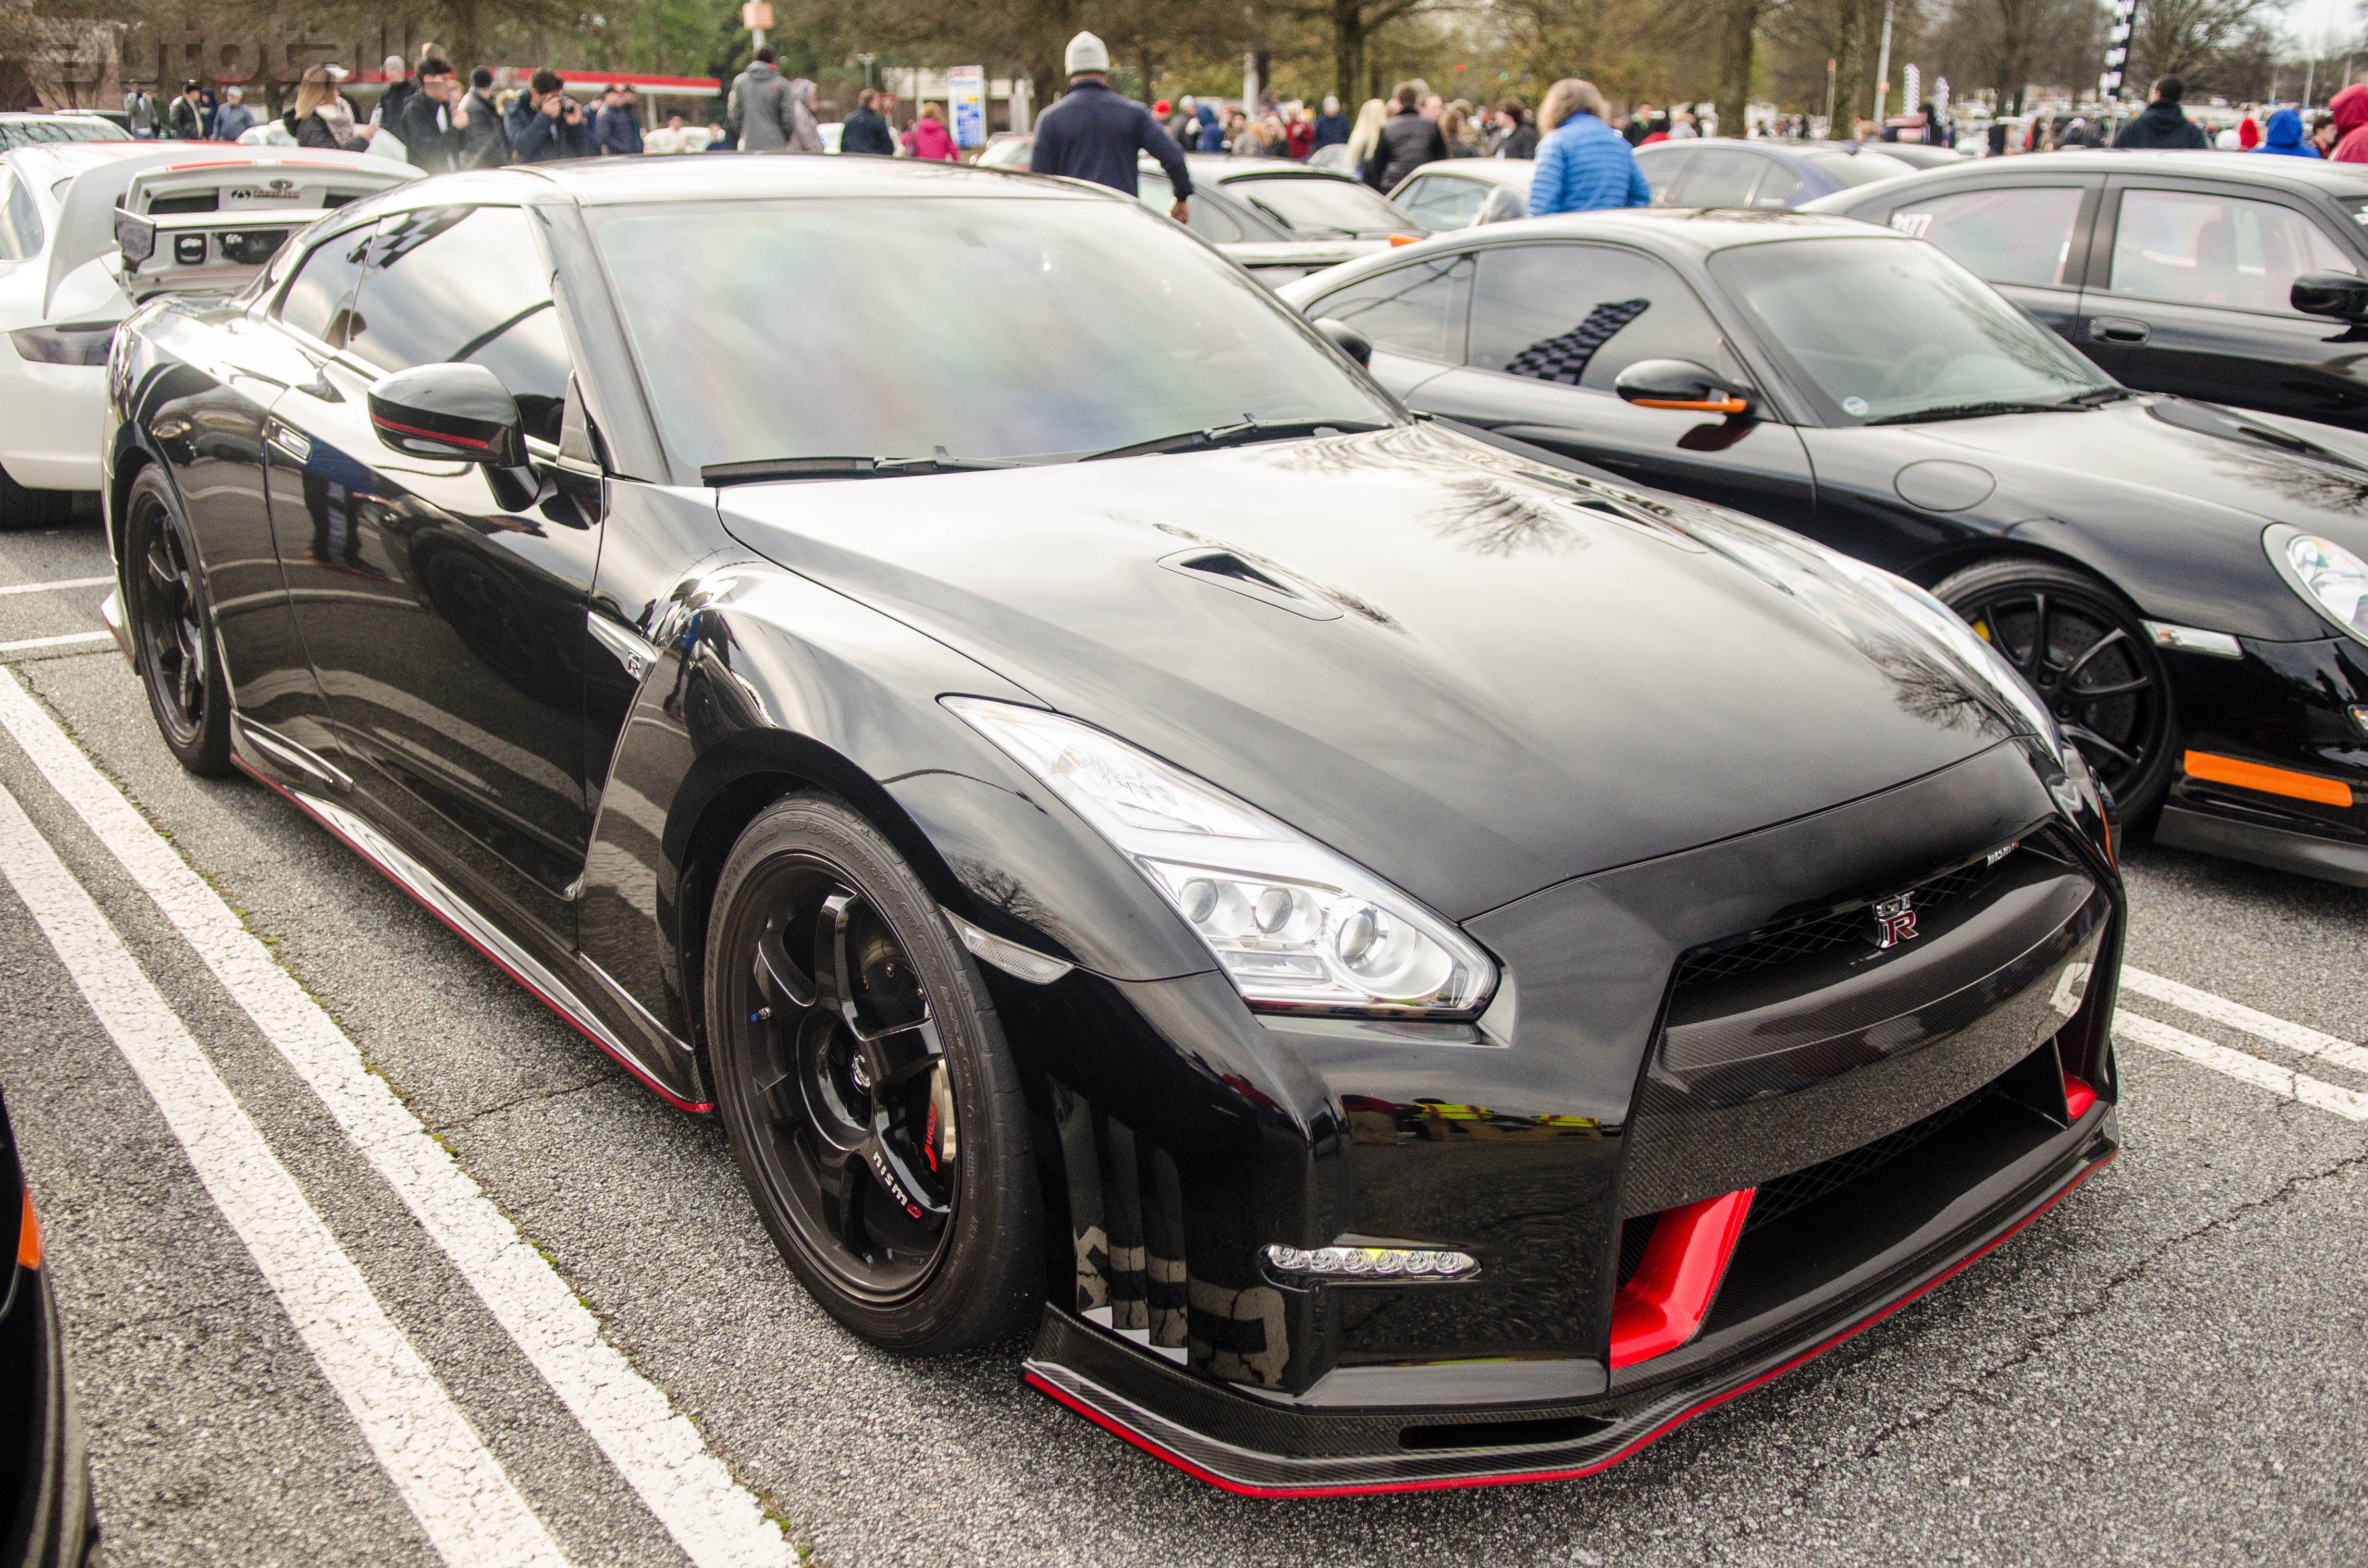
(2275, 765)
(1717, 1031)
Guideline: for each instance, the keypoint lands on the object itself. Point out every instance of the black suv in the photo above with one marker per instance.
(2174, 271)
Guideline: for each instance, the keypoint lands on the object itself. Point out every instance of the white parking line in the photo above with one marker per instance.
(2277, 1079)
(52, 587)
(456, 1489)
(718, 1523)
(2235, 1015)
(68, 639)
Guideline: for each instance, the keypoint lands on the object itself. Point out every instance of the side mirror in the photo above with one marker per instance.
(2343, 295)
(1347, 339)
(1682, 384)
(453, 413)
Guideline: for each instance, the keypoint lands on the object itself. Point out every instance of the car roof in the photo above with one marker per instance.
(2289, 174)
(1696, 229)
(1515, 171)
(724, 176)
(1218, 168)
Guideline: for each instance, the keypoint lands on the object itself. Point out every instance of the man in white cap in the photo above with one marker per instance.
(1094, 134)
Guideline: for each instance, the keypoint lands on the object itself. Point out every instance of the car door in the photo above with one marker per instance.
(2029, 241)
(2192, 297)
(1414, 314)
(446, 627)
(1553, 324)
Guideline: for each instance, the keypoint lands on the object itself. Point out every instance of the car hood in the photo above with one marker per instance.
(1471, 673)
(2177, 493)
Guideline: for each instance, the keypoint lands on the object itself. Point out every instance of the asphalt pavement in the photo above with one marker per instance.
(2170, 1365)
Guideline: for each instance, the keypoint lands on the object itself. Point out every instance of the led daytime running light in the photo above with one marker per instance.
(1371, 1263)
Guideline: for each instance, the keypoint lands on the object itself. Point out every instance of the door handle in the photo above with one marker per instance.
(288, 441)
(2119, 329)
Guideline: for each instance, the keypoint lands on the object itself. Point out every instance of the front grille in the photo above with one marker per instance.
(1779, 1198)
(1787, 943)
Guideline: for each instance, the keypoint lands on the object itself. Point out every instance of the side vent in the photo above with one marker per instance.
(1126, 1223)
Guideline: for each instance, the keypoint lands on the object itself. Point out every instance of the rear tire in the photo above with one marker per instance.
(172, 630)
(23, 508)
(2094, 667)
(848, 1039)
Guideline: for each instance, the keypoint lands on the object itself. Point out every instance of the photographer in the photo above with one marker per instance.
(554, 126)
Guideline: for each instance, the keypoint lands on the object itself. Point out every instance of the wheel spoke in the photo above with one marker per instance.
(904, 1053)
(2041, 612)
(915, 1194)
(1998, 639)
(832, 990)
(160, 569)
(850, 1177)
(783, 987)
(2123, 688)
(2085, 738)
(2072, 670)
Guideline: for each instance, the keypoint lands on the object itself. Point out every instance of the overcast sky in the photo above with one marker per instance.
(2308, 20)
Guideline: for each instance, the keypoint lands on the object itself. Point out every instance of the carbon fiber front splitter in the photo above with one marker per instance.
(1272, 1446)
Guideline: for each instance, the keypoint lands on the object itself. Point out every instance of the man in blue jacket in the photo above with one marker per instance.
(1583, 163)
(1094, 134)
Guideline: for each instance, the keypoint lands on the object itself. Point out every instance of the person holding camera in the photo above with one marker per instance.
(554, 127)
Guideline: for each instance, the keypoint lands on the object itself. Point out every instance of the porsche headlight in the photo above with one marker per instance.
(1293, 926)
(1971, 649)
(2332, 578)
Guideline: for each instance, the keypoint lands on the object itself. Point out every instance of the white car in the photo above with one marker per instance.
(200, 216)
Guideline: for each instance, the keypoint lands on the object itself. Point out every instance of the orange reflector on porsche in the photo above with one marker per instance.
(29, 1238)
(2269, 780)
(1405, 239)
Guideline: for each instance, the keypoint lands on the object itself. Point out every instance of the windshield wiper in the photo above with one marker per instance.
(1970, 411)
(1251, 428)
(765, 469)
(2096, 397)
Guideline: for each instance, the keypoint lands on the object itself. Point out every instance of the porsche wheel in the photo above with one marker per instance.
(165, 602)
(2087, 658)
(865, 1087)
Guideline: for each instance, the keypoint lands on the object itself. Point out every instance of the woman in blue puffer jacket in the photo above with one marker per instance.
(2284, 136)
(1583, 163)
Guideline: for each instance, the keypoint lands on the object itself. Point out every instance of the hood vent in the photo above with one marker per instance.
(1225, 568)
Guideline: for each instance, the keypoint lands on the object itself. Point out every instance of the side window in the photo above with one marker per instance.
(1778, 187)
(465, 284)
(1580, 314)
(1662, 168)
(1218, 228)
(1721, 176)
(20, 220)
(2015, 234)
(315, 304)
(2198, 248)
(1415, 310)
(1444, 202)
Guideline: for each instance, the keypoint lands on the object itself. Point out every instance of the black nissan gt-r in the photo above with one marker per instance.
(2186, 586)
(1412, 962)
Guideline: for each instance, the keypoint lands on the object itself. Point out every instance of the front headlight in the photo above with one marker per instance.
(2334, 580)
(1295, 927)
(1972, 649)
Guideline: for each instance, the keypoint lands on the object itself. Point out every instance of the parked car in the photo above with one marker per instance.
(1007, 150)
(2184, 586)
(1717, 172)
(1198, 864)
(1456, 193)
(2174, 271)
(209, 219)
(1922, 155)
(26, 130)
(46, 1517)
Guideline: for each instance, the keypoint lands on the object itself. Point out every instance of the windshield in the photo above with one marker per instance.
(1324, 206)
(1884, 327)
(978, 328)
(1858, 168)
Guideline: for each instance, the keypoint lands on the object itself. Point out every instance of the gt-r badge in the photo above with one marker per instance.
(1895, 920)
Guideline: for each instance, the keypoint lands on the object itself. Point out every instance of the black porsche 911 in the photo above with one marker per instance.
(1410, 962)
(2185, 585)
(46, 1518)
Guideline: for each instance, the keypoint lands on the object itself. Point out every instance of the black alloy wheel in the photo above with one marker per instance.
(2084, 652)
(165, 600)
(865, 1086)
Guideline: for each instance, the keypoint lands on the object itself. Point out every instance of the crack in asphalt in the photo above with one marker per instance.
(2040, 1339)
(533, 1097)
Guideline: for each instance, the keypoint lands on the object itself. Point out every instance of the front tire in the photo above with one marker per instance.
(865, 1088)
(172, 640)
(2084, 652)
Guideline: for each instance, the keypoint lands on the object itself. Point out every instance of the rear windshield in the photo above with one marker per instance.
(971, 328)
(1309, 205)
(1857, 168)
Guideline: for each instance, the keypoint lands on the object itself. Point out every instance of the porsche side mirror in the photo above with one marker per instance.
(2343, 295)
(1348, 340)
(1682, 384)
(450, 412)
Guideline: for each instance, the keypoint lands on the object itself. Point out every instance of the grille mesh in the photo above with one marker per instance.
(1819, 934)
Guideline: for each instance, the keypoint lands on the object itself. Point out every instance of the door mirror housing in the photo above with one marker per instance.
(1347, 339)
(1681, 384)
(2343, 295)
(450, 413)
